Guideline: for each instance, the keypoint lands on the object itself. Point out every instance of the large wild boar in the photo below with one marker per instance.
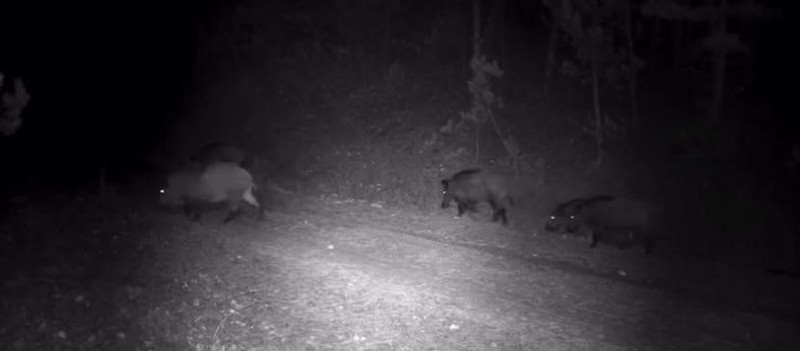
(561, 218)
(623, 222)
(196, 188)
(471, 186)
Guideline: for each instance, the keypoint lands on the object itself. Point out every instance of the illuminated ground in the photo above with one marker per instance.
(337, 274)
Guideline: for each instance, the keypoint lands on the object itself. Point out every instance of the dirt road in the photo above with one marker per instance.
(337, 274)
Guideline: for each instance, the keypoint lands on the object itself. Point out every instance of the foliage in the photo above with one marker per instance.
(673, 10)
(484, 101)
(594, 30)
(345, 119)
(595, 26)
(13, 101)
(713, 40)
(483, 105)
(387, 155)
(719, 38)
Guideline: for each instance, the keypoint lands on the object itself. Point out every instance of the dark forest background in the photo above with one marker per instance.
(370, 99)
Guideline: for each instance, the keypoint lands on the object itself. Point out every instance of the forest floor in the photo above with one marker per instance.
(327, 273)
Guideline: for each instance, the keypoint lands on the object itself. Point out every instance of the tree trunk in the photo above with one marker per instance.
(720, 63)
(550, 64)
(476, 52)
(495, 37)
(501, 40)
(598, 117)
(634, 119)
(653, 44)
(386, 32)
(476, 29)
(477, 143)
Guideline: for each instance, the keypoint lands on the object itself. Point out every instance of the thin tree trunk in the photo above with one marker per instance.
(477, 142)
(495, 36)
(550, 64)
(386, 32)
(631, 67)
(476, 51)
(720, 63)
(653, 45)
(476, 29)
(598, 117)
(465, 41)
(502, 33)
(679, 55)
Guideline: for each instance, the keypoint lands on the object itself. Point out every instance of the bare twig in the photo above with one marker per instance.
(220, 326)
